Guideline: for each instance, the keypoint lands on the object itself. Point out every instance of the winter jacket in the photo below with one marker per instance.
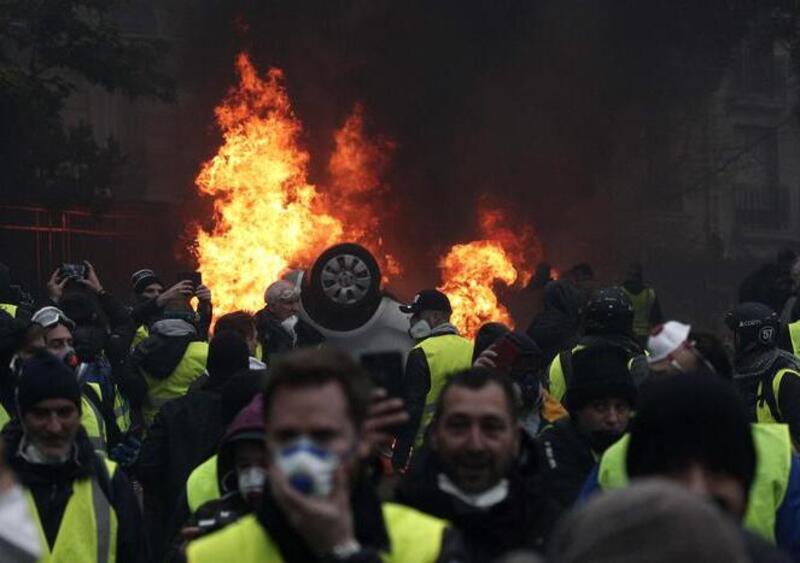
(147, 312)
(275, 339)
(184, 433)
(523, 521)
(556, 328)
(568, 461)
(248, 424)
(52, 487)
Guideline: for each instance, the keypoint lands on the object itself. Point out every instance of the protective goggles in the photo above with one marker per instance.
(51, 316)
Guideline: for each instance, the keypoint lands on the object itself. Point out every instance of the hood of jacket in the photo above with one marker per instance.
(248, 425)
(159, 354)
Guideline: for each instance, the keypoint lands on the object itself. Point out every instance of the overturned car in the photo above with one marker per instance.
(342, 298)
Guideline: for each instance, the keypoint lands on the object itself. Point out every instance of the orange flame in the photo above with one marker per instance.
(471, 271)
(356, 168)
(267, 216)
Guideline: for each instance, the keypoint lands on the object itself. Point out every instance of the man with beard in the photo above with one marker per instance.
(279, 327)
(600, 399)
(767, 377)
(150, 297)
(482, 473)
(607, 319)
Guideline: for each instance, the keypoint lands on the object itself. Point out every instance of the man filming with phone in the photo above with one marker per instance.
(151, 296)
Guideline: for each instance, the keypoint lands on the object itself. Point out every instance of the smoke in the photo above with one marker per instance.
(526, 100)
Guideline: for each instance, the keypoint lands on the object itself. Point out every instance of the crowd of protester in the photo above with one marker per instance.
(149, 430)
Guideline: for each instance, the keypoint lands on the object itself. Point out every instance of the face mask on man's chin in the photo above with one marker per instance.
(290, 322)
(419, 330)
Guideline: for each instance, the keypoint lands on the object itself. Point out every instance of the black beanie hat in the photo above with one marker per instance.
(142, 278)
(227, 354)
(691, 418)
(46, 377)
(598, 372)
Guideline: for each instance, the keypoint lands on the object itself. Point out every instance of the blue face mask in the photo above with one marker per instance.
(308, 467)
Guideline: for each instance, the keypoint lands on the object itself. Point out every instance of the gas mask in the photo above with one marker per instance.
(67, 355)
(308, 467)
(251, 480)
(419, 330)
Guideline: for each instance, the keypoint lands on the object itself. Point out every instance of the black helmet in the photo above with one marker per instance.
(754, 326)
(609, 310)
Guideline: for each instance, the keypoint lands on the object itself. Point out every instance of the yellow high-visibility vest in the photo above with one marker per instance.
(794, 334)
(446, 354)
(643, 303)
(203, 485)
(773, 463)
(161, 391)
(414, 537)
(88, 531)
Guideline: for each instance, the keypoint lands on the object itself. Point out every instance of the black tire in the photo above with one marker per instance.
(343, 290)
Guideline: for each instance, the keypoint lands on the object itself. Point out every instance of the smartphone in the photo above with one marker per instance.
(73, 271)
(195, 277)
(386, 371)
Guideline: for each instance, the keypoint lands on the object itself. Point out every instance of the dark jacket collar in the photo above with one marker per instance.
(79, 466)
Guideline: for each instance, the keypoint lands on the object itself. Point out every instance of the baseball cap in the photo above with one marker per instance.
(665, 339)
(428, 300)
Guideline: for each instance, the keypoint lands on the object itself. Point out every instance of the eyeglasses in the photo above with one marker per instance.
(50, 316)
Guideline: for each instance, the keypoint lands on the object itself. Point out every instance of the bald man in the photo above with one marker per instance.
(279, 327)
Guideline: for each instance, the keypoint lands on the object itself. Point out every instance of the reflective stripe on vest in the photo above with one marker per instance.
(87, 510)
(773, 463)
(92, 421)
(9, 308)
(122, 412)
(446, 354)
(794, 334)
(642, 306)
(414, 537)
(161, 391)
(203, 485)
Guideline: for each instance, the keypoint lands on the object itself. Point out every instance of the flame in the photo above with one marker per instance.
(268, 218)
(356, 168)
(471, 271)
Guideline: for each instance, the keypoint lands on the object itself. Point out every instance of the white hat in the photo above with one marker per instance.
(665, 339)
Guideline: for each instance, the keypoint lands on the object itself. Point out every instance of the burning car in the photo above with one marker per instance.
(342, 298)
